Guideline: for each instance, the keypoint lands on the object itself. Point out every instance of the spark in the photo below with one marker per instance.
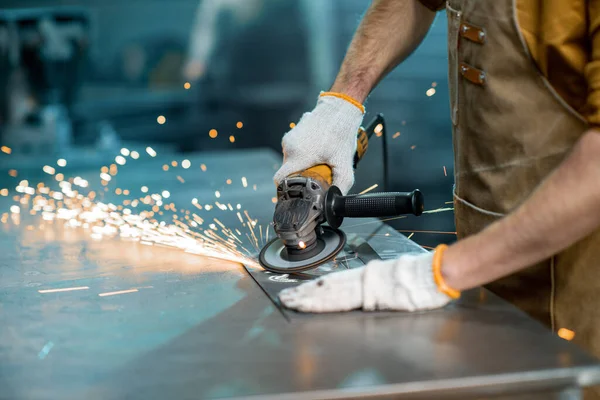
(105, 176)
(63, 289)
(120, 160)
(396, 135)
(292, 125)
(433, 84)
(174, 163)
(45, 350)
(213, 133)
(239, 125)
(125, 152)
(165, 167)
(49, 170)
(203, 167)
(232, 139)
(411, 235)
(135, 155)
(435, 232)
(13, 173)
(80, 210)
(161, 119)
(151, 151)
(413, 147)
(239, 206)
(449, 202)
(437, 210)
(61, 162)
(185, 164)
(369, 189)
(187, 85)
(566, 334)
(217, 194)
(180, 179)
(379, 220)
(244, 181)
(116, 293)
(220, 223)
(251, 226)
(254, 187)
(228, 181)
(274, 200)
(445, 173)
(430, 92)
(378, 129)
(6, 149)
(301, 244)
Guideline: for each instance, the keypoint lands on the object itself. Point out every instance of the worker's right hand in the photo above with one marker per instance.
(326, 135)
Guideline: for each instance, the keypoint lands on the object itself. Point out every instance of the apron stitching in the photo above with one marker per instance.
(481, 210)
(552, 293)
(515, 163)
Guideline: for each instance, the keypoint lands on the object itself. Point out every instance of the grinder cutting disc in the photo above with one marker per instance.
(275, 257)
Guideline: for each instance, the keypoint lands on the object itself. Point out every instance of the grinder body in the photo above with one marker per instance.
(307, 199)
(300, 208)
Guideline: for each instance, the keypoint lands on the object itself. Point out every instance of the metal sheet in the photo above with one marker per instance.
(177, 325)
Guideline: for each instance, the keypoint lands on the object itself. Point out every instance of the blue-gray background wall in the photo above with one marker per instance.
(417, 156)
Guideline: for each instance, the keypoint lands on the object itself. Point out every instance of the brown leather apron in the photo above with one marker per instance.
(511, 129)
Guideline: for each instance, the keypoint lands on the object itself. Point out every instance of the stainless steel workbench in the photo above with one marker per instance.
(203, 328)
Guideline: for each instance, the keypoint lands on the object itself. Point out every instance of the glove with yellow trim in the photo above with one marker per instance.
(326, 135)
(403, 284)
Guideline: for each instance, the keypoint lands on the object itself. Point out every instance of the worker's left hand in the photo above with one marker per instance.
(403, 284)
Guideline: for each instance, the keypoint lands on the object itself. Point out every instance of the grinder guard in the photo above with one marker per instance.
(299, 211)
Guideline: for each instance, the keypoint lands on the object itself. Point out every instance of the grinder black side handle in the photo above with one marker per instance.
(323, 173)
(370, 205)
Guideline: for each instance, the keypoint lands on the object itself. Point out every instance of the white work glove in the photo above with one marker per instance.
(403, 284)
(327, 135)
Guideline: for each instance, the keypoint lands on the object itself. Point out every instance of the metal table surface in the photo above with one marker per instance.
(182, 326)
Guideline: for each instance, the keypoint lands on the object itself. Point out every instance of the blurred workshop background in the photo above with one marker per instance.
(83, 78)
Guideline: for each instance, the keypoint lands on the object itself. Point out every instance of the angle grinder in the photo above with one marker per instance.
(307, 199)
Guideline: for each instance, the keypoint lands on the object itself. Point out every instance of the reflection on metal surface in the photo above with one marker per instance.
(63, 289)
(117, 292)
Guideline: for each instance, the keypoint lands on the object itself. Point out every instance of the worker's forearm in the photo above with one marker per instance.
(388, 33)
(562, 210)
